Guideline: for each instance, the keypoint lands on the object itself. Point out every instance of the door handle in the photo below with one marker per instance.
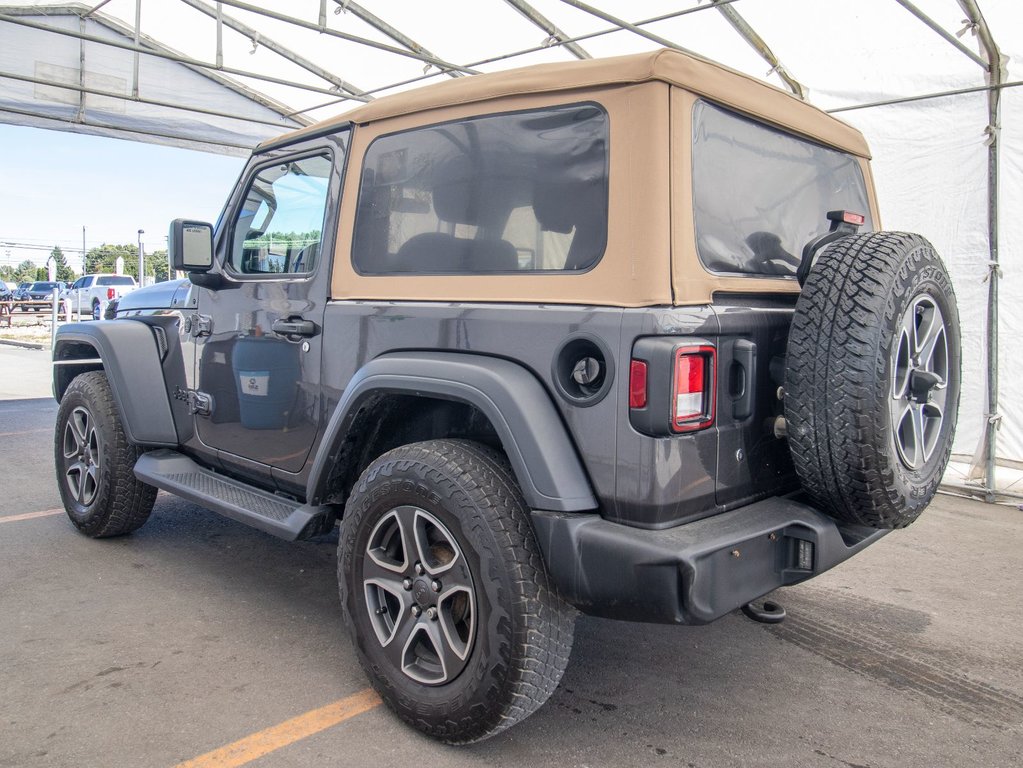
(294, 326)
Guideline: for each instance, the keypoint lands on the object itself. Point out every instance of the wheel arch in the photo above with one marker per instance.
(126, 352)
(516, 405)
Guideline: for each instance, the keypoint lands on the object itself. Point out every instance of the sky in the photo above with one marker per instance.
(53, 183)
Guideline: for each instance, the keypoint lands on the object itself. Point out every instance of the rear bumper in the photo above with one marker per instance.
(693, 573)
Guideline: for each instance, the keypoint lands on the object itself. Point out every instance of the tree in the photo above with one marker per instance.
(24, 272)
(156, 265)
(104, 259)
(64, 272)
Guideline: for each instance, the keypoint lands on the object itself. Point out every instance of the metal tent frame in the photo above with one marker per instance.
(340, 90)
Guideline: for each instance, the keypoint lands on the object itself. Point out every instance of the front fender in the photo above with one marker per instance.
(131, 361)
(532, 434)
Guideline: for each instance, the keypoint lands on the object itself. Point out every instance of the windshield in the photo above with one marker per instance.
(115, 280)
(44, 286)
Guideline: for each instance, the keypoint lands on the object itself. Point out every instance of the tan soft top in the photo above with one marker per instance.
(700, 76)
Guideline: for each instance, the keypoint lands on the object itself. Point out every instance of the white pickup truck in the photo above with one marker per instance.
(90, 293)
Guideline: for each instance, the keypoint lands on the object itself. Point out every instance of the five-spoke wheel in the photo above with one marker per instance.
(81, 456)
(445, 592)
(419, 595)
(919, 381)
(95, 462)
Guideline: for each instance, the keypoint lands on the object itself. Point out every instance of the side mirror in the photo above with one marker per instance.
(191, 245)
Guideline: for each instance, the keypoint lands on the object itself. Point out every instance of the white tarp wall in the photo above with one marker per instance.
(930, 157)
(41, 57)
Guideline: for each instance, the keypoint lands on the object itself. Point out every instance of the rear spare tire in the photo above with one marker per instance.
(872, 378)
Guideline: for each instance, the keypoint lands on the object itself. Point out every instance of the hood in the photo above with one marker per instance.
(158, 296)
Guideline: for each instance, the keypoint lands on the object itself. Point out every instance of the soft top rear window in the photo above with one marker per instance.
(115, 280)
(506, 193)
(759, 194)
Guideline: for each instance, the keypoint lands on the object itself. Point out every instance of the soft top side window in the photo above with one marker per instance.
(279, 226)
(759, 194)
(508, 193)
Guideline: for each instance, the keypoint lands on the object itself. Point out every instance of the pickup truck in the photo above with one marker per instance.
(89, 293)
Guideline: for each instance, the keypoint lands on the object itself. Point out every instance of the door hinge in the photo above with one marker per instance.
(200, 403)
(199, 325)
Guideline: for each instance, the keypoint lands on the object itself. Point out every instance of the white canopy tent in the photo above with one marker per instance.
(933, 84)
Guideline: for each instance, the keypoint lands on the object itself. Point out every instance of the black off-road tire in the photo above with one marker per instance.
(95, 311)
(94, 461)
(852, 381)
(523, 630)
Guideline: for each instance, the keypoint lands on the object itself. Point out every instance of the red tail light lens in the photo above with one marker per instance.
(110, 294)
(692, 394)
(637, 384)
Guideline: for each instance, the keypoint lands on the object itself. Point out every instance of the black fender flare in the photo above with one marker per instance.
(542, 455)
(131, 362)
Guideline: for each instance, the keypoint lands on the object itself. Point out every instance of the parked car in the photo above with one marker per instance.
(39, 295)
(619, 336)
(21, 292)
(91, 293)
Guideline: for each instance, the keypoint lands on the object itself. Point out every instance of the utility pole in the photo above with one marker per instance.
(141, 258)
(85, 266)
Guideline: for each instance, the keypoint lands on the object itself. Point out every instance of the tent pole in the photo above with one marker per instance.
(392, 32)
(346, 88)
(756, 42)
(554, 34)
(996, 74)
(220, 35)
(161, 54)
(135, 65)
(948, 38)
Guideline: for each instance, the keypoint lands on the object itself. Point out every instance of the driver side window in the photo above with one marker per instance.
(280, 223)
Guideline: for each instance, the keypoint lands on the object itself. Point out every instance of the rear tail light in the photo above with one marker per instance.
(692, 392)
(110, 294)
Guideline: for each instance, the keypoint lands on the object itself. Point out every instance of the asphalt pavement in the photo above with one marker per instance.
(197, 633)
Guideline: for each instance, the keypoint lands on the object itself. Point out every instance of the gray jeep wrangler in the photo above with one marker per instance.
(620, 336)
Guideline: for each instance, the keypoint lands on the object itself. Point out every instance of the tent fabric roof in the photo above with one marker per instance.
(65, 68)
(696, 74)
(914, 76)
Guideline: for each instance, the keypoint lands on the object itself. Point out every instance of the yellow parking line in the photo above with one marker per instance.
(273, 738)
(30, 515)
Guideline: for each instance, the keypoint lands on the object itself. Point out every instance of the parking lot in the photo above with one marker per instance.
(198, 639)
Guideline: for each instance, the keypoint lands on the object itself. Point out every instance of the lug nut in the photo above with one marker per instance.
(435, 585)
(419, 569)
(431, 613)
(416, 610)
(407, 585)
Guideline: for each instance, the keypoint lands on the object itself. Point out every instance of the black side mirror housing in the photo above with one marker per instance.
(191, 246)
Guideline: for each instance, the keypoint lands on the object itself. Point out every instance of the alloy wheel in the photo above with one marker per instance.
(919, 393)
(419, 594)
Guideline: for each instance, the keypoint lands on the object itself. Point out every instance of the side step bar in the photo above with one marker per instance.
(176, 473)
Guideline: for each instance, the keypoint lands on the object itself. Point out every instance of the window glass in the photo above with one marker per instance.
(115, 280)
(279, 226)
(520, 192)
(759, 195)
